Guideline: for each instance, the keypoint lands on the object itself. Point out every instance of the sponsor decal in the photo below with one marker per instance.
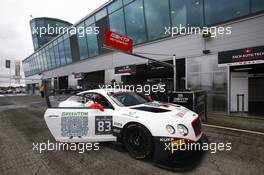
(78, 76)
(74, 124)
(182, 112)
(126, 70)
(74, 114)
(130, 114)
(165, 139)
(177, 142)
(118, 124)
(180, 99)
(117, 130)
(244, 56)
(157, 104)
(118, 41)
(154, 104)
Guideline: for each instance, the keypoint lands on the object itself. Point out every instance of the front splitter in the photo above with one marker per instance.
(178, 160)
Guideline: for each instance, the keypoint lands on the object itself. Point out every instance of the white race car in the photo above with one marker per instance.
(146, 128)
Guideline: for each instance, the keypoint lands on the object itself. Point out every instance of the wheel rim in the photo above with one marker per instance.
(137, 142)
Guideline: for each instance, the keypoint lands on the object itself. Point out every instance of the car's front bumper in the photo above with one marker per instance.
(167, 156)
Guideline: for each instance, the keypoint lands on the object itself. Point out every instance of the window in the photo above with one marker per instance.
(257, 5)
(116, 21)
(102, 24)
(157, 17)
(135, 24)
(48, 58)
(89, 21)
(127, 1)
(92, 43)
(68, 53)
(187, 12)
(57, 55)
(99, 15)
(128, 98)
(224, 10)
(52, 56)
(44, 60)
(41, 62)
(114, 6)
(38, 62)
(98, 98)
(33, 64)
(62, 53)
(82, 43)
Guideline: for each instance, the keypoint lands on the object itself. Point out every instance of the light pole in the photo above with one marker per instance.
(174, 74)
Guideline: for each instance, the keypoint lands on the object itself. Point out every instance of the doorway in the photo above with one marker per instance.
(63, 82)
(246, 90)
(256, 95)
(155, 73)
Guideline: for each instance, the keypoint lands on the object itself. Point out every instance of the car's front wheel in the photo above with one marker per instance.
(138, 141)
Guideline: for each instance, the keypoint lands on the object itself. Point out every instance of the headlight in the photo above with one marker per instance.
(170, 129)
(182, 130)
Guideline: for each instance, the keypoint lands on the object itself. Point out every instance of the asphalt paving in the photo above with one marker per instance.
(22, 124)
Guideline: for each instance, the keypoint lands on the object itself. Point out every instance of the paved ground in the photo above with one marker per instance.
(22, 123)
(247, 123)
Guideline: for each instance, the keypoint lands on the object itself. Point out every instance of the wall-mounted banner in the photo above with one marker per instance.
(78, 75)
(126, 70)
(17, 68)
(118, 41)
(254, 55)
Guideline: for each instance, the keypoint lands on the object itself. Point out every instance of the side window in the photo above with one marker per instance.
(88, 96)
(100, 99)
(94, 98)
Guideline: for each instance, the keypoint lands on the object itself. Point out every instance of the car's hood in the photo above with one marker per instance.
(160, 109)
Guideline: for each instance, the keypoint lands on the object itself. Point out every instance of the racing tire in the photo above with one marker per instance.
(138, 141)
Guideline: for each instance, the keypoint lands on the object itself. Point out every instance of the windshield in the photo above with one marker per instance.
(128, 98)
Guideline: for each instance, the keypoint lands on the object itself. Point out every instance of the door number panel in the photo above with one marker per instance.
(103, 125)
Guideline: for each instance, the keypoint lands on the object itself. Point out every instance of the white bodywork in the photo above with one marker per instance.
(155, 122)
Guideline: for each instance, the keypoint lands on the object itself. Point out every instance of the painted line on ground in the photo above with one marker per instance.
(234, 129)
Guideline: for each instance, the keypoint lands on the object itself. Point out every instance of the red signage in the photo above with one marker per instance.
(118, 41)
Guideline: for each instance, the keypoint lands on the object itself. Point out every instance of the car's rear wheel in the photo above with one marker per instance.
(138, 141)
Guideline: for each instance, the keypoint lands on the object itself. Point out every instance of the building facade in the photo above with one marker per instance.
(145, 21)
(44, 29)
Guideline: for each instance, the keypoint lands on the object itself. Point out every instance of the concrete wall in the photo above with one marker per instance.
(72, 81)
(110, 75)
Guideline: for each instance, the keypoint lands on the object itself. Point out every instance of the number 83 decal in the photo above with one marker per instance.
(103, 125)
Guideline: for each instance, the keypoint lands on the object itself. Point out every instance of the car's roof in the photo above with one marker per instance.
(102, 91)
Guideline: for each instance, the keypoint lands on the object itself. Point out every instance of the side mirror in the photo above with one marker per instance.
(149, 97)
(97, 106)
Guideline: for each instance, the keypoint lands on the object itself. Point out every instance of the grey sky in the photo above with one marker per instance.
(15, 37)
